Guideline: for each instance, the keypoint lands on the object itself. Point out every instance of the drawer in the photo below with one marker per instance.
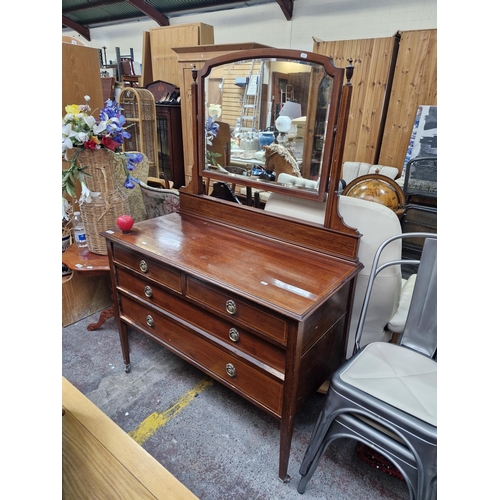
(225, 303)
(166, 275)
(225, 330)
(256, 385)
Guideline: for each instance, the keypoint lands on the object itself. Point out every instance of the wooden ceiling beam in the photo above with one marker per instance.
(150, 11)
(79, 28)
(286, 7)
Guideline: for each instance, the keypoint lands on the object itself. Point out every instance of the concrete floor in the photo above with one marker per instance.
(214, 441)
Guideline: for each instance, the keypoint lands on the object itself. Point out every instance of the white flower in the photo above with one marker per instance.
(85, 196)
(89, 120)
(66, 144)
(82, 137)
(87, 98)
(67, 134)
(65, 206)
(67, 130)
(99, 128)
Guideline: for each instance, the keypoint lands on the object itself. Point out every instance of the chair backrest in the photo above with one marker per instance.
(420, 331)
(134, 196)
(163, 91)
(127, 66)
(375, 223)
(159, 201)
(353, 169)
(295, 181)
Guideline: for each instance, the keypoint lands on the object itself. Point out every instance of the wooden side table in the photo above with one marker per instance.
(88, 288)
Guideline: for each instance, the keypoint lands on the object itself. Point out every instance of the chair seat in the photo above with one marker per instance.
(398, 376)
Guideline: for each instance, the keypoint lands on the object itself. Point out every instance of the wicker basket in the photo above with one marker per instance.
(107, 201)
(99, 163)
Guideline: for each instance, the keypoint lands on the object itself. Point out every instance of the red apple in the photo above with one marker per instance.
(125, 223)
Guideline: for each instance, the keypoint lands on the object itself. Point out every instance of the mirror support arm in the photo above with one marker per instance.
(331, 221)
(196, 185)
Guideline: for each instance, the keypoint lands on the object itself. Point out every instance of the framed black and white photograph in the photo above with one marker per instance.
(423, 140)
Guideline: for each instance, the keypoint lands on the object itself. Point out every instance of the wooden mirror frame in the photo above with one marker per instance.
(330, 138)
(338, 239)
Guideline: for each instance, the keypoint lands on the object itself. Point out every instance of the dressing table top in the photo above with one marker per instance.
(287, 278)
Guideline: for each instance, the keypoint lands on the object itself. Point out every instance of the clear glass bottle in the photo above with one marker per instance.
(79, 230)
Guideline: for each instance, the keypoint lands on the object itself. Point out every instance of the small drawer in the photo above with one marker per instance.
(151, 268)
(144, 288)
(231, 334)
(254, 384)
(238, 309)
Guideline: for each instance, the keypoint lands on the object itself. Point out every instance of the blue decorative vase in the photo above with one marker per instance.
(265, 138)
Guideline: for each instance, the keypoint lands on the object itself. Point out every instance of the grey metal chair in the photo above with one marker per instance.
(385, 395)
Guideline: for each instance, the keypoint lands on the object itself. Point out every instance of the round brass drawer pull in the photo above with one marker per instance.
(148, 292)
(234, 335)
(230, 370)
(150, 321)
(231, 307)
(144, 266)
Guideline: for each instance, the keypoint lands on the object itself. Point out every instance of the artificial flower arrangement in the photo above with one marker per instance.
(80, 131)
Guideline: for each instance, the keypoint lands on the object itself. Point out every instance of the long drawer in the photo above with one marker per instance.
(229, 306)
(227, 331)
(254, 384)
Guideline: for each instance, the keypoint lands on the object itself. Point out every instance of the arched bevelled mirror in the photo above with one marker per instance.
(266, 119)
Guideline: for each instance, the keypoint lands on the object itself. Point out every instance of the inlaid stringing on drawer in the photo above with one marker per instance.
(247, 379)
(158, 271)
(232, 307)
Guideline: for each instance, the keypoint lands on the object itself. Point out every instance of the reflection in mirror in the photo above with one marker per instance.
(266, 122)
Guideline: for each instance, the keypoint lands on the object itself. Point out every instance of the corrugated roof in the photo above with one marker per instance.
(83, 15)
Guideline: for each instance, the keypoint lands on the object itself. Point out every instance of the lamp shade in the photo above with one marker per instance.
(291, 109)
(283, 123)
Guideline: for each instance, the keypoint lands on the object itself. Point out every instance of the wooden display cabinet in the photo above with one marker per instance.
(170, 146)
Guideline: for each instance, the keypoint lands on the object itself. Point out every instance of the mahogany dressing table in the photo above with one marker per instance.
(259, 302)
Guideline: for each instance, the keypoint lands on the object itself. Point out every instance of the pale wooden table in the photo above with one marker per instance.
(88, 289)
(100, 460)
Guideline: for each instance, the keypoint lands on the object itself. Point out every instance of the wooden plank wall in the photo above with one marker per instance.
(162, 40)
(231, 95)
(414, 84)
(147, 68)
(81, 75)
(392, 77)
(372, 59)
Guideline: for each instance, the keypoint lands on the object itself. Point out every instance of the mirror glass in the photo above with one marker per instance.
(266, 122)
